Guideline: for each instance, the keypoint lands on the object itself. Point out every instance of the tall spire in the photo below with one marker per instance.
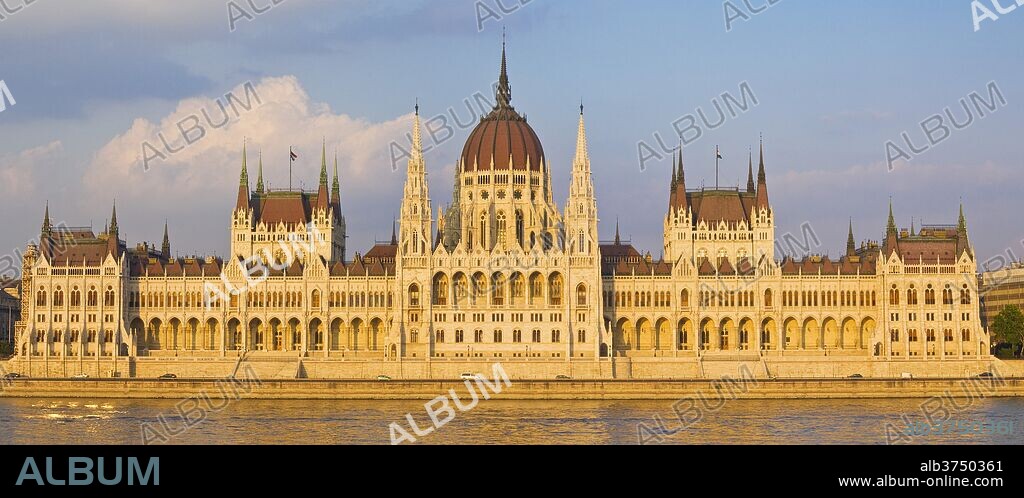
(323, 163)
(47, 228)
(582, 159)
(394, 234)
(259, 177)
(243, 185)
(891, 235)
(672, 188)
(113, 221)
(680, 192)
(890, 227)
(323, 200)
(504, 92)
(618, 241)
(750, 172)
(244, 179)
(165, 248)
(962, 244)
(961, 224)
(336, 190)
(762, 183)
(417, 140)
(851, 245)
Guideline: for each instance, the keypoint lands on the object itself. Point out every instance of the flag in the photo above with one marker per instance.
(292, 154)
(718, 155)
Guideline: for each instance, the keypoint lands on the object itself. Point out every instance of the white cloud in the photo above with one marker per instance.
(209, 167)
(18, 171)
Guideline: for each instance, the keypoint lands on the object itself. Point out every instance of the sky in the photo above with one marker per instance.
(91, 84)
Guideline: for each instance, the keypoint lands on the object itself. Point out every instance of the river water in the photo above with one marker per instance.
(126, 421)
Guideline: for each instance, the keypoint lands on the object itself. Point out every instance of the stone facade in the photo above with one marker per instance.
(504, 274)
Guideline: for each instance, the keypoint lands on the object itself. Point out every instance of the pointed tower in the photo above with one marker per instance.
(762, 183)
(891, 234)
(682, 204)
(242, 219)
(750, 173)
(415, 219)
(47, 229)
(243, 186)
(762, 215)
(323, 201)
(618, 241)
(851, 245)
(165, 248)
(962, 241)
(113, 244)
(339, 232)
(581, 206)
(259, 176)
(678, 226)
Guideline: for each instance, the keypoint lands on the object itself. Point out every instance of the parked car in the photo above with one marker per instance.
(14, 375)
(906, 375)
(168, 376)
(467, 375)
(855, 376)
(383, 378)
(82, 375)
(562, 377)
(985, 375)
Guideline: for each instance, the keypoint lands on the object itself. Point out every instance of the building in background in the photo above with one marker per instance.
(503, 273)
(10, 309)
(1000, 288)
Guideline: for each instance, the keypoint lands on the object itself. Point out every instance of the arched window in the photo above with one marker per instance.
(536, 287)
(894, 296)
(76, 297)
(439, 336)
(440, 289)
(518, 288)
(502, 227)
(461, 287)
(929, 295)
(58, 296)
(414, 295)
(911, 296)
(108, 296)
(314, 299)
(519, 228)
(582, 242)
(965, 295)
(498, 289)
(684, 298)
(555, 289)
(483, 230)
(581, 295)
(91, 297)
(768, 298)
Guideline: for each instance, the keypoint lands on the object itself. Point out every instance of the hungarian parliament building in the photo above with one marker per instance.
(501, 272)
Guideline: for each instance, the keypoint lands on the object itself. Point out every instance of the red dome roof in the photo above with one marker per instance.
(503, 136)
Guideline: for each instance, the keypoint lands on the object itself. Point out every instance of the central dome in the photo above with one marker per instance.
(503, 136)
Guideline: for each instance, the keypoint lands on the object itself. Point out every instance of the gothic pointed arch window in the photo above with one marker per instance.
(582, 242)
(76, 297)
(483, 230)
(581, 295)
(502, 228)
(414, 295)
(519, 228)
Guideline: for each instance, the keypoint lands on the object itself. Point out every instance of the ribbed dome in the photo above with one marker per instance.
(504, 140)
(503, 136)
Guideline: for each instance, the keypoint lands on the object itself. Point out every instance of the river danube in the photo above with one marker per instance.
(124, 421)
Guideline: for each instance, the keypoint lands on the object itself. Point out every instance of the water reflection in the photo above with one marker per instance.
(48, 421)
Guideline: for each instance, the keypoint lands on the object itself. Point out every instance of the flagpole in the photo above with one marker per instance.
(717, 157)
(291, 159)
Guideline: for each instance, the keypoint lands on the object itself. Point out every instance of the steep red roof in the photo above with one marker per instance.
(731, 206)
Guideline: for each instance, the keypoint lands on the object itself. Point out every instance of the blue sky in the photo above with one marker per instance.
(834, 82)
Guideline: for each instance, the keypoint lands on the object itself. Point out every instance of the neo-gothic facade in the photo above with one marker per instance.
(501, 272)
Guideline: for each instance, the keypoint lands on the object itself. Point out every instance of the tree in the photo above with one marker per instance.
(1008, 328)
